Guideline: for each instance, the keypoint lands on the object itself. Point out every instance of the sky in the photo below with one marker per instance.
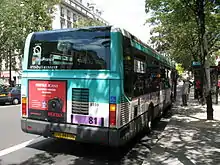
(127, 14)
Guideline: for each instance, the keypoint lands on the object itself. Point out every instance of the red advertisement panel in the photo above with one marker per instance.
(47, 99)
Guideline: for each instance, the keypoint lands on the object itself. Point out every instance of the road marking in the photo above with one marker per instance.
(9, 106)
(15, 148)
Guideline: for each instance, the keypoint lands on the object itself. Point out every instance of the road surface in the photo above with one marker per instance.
(18, 148)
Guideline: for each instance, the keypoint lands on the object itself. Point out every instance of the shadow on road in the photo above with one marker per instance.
(197, 142)
(73, 153)
(188, 138)
(8, 104)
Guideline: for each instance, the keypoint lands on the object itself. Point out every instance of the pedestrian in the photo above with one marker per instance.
(185, 89)
(218, 87)
(198, 90)
(188, 84)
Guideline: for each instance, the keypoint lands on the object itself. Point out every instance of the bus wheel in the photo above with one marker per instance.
(167, 111)
(150, 117)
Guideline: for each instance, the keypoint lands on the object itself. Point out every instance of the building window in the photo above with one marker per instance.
(50, 10)
(62, 23)
(68, 14)
(74, 17)
(69, 24)
(62, 12)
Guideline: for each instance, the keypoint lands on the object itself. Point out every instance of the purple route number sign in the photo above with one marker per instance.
(87, 120)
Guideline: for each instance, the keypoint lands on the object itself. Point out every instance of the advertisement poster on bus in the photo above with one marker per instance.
(47, 100)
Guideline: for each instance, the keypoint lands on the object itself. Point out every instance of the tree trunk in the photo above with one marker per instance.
(217, 88)
(209, 106)
(204, 53)
(175, 85)
(216, 95)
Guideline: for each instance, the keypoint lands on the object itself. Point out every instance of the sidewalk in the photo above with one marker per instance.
(189, 138)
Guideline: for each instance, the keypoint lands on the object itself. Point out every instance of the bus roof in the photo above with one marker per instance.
(136, 42)
(72, 29)
(145, 48)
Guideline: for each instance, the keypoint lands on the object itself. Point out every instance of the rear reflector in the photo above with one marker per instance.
(112, 115)
(24, 106)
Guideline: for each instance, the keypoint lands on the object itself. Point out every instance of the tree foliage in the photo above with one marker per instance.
(179, 69)
(176, 29)
(84, 22)
(188, 30)
(18, 18)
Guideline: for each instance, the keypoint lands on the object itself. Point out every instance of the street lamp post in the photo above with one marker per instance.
(9, 55)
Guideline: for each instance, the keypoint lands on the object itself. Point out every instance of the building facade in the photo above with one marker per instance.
(69, 11)
(66, 13)
(16, 70)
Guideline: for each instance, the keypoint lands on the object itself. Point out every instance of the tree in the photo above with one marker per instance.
(179, 69)
(18, 18)
(176, 30)
(188, 30)
(83, 22)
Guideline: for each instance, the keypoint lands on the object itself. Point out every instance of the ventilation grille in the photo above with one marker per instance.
(124, 111)
(80, 101)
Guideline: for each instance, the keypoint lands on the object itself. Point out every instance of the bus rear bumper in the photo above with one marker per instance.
(87, 134)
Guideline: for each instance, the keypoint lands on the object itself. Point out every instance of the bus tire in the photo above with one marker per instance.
(150, 117)
(168, 111)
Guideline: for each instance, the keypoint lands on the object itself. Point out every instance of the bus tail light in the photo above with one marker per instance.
(112, 115)
(24, 106)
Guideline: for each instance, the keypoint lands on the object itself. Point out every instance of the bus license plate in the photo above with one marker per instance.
(2, 94)
(62, 135)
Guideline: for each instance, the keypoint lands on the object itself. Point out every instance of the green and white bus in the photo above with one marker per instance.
(93, 84)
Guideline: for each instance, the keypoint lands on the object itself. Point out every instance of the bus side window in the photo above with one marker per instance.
(139, 76)
(128, 78)
(128, 68)
(153, 75)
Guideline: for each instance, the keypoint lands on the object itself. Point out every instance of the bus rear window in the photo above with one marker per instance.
(76, 49)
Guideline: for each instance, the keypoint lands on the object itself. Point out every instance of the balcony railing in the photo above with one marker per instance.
(86, 11)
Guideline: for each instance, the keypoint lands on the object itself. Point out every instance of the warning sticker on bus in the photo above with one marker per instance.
(47, 99)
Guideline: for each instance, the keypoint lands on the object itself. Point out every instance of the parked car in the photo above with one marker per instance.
(1, 87)
(10, 94)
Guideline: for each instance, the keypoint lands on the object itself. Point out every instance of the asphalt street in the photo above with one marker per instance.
(10, 132)
(18, 148)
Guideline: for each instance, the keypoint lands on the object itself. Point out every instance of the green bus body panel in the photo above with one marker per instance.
(103, 88)
(102, 84)
(98, 83)
(165, 61)
(116, 87)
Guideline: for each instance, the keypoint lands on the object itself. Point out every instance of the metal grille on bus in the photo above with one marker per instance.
(124, 117)
(80, 101)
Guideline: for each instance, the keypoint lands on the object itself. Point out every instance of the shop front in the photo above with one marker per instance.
(15, 77)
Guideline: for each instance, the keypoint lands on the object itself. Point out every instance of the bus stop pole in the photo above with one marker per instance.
(217, 88)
